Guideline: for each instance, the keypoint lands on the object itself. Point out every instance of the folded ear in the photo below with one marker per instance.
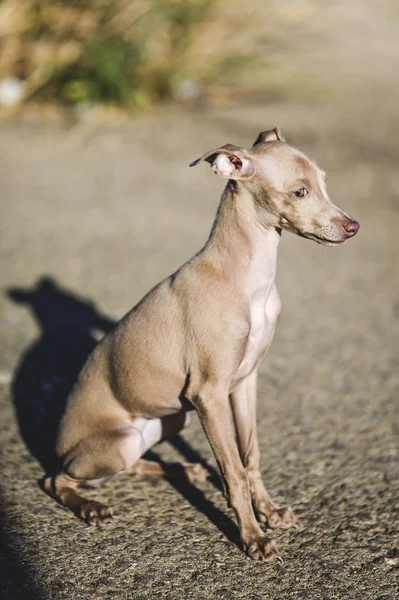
(229, 161)
(18, 295)
(271, 135)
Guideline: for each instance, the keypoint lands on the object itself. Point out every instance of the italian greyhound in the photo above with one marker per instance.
(195, 342)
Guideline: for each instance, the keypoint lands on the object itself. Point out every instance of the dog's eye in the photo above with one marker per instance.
(301, 192)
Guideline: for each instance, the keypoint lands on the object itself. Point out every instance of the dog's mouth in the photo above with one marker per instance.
(317, 238)
(322, 240)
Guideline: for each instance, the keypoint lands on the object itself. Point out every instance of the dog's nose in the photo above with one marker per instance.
(351, 227)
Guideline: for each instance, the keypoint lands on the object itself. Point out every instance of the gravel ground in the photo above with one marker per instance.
(89, 224)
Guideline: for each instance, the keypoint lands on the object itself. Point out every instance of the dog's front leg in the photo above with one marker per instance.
(214, 412)
(243, 403)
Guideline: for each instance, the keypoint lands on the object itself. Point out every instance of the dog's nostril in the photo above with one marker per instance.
(351, 227)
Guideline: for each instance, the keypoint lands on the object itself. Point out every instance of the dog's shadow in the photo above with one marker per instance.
(69, 329)
(49, 367)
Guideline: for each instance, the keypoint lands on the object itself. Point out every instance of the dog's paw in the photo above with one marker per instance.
(262, 548)
(282, 518)
(195, 472)
(95, 513)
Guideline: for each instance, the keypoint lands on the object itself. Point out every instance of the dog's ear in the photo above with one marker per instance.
(18, 295)
(229, 161)
(271, 135)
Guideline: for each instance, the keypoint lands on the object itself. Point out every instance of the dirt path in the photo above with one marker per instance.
(86, 230)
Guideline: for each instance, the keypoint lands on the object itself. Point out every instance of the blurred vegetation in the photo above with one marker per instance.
(134, 53)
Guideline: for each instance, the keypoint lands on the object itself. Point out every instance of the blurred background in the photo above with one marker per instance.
(103, 104)
(134, 54)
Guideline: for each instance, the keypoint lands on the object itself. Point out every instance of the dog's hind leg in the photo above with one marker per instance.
(62, 487)
(155, 430)
(98, 457)
(107, 453)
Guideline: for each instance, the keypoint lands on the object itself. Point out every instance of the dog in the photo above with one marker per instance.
(195, 341)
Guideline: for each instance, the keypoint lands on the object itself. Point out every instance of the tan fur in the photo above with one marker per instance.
(195, 342)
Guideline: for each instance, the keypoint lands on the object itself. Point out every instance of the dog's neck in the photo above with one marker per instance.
(240, 245)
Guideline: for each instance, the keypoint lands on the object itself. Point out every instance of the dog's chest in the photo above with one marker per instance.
(263, 309)
(258, 339)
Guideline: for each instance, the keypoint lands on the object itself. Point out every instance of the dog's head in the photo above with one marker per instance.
(288, 188)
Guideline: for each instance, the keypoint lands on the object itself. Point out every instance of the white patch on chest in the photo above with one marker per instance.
(263, 299)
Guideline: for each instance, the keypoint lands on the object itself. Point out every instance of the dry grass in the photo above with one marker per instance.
(137, 52)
